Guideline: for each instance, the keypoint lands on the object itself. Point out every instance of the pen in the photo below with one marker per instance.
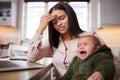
(18, 59)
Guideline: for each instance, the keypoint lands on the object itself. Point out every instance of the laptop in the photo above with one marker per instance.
(14, 65)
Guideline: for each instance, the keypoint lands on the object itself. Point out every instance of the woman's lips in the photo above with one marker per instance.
(61, 28)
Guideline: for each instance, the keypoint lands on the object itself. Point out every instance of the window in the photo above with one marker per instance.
(81, 9)
(36, 9)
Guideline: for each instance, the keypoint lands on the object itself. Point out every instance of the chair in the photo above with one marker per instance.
(17, 51)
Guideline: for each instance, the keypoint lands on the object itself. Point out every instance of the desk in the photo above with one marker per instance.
(33, 74)
(19, 75)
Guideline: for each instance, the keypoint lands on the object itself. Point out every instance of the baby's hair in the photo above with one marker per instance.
(97, 41)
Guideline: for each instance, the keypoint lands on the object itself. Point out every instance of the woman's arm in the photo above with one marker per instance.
(37, 50)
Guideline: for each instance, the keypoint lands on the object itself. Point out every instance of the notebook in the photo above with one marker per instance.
(13, 65)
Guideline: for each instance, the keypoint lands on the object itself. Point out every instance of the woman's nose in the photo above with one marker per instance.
(59, 23)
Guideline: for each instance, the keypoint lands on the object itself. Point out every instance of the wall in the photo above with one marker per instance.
(21, 18)
(9, 34)
(93, 13)
(104, 12)
(110, 35)
(110, 12)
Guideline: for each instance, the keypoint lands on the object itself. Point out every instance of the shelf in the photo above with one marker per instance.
(5, 20)
(6, 12)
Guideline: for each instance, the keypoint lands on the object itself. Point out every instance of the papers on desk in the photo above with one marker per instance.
(24, 58)
(45, 61)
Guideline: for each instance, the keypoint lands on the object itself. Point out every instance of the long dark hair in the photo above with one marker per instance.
(74, 28)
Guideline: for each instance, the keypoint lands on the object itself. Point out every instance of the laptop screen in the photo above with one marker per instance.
(8, 65)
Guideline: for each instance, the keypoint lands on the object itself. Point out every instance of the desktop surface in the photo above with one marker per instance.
(19, 75)
(24, 74)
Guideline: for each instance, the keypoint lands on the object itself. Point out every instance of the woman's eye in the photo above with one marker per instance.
(62, 17)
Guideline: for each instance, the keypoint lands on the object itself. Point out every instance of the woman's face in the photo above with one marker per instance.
(60, 21)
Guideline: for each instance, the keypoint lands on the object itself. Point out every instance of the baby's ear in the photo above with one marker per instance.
(97, 46)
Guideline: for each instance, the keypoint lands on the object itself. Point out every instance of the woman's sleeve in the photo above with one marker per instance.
(37, 49)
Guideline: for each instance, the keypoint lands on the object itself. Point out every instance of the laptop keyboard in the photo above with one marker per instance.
(7, 64)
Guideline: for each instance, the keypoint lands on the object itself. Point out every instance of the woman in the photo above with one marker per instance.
(63, 36)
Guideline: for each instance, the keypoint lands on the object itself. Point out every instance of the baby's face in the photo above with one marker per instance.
(85, 47)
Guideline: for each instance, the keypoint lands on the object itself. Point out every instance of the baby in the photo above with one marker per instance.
(92, 58)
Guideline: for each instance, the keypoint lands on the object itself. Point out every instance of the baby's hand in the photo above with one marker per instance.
(95, 76)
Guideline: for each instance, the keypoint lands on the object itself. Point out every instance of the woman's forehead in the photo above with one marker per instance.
(58, 12)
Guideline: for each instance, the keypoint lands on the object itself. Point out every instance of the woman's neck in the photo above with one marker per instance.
(66, 37)
(67, 41)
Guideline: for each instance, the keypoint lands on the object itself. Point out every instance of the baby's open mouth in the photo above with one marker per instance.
(83, 52)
